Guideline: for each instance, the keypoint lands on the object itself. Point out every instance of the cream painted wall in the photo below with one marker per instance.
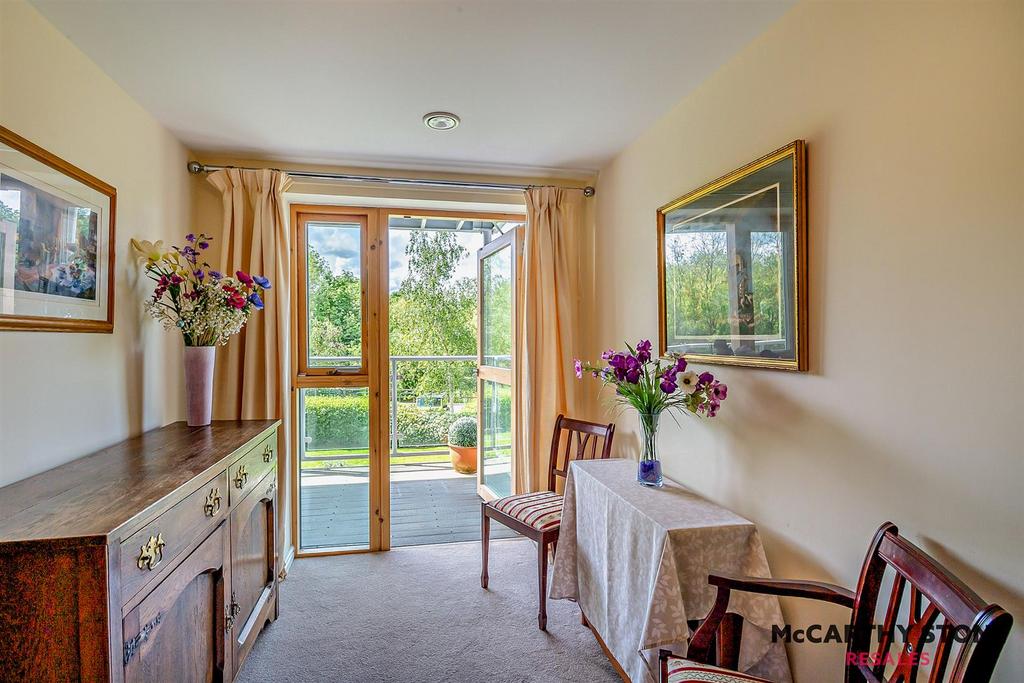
(911, 412)
(64, 395)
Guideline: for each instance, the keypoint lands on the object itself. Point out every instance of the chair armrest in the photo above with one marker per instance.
(815, 590)
(699, 649)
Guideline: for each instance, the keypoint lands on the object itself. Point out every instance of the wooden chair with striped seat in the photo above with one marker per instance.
(538, 516)
(951, 635)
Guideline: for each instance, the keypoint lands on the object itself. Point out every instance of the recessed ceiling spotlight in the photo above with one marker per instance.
(441, 120)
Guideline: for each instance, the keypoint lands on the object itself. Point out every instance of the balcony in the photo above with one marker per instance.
(430, 501)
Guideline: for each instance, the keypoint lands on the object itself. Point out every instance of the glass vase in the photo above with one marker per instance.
(648, 471)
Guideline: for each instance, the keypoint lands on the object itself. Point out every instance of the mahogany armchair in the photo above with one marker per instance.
(940, 608)
(538, 516)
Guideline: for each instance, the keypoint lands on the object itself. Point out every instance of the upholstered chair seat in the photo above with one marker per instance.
(539, 511)
(684, 671)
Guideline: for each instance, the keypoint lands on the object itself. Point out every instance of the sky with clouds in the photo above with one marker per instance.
(339, 245)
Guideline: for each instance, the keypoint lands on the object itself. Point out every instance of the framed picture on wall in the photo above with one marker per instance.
(56, 242)
(732, 266)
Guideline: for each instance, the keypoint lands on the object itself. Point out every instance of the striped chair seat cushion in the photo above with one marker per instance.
(684, 671)
(542, 511)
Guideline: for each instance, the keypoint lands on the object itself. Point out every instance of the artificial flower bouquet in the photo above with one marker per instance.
(651, 386)
(206, 306)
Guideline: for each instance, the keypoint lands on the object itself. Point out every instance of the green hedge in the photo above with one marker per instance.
(337, 422)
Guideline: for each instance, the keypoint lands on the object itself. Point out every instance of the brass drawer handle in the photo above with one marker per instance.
(152, 553)
(268, 453)
(212, 505)
(241, 476)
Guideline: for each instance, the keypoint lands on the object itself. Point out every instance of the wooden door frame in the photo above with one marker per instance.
(376, 349)
(507, 376)
(368, 376)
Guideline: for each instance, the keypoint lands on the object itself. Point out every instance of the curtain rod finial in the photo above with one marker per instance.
(194, 167)
(589, 191)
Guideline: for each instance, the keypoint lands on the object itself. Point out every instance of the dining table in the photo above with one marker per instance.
(637, 560)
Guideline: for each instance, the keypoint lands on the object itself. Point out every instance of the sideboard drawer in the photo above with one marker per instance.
(246, 472)
(147, 552)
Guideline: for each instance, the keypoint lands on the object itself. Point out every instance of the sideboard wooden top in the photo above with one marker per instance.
(96, 495)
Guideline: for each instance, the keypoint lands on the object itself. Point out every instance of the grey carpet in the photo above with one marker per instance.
(419, 614)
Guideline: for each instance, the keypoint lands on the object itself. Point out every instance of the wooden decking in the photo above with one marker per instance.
(423, 511)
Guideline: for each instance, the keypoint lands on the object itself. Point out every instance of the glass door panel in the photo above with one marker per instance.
(496, 442)
(497, 270)
(334, 300)
(334, 468)
(496, 309)
(337, 405)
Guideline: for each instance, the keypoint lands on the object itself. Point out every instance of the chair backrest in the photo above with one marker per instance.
(582, 441)
(944, 630)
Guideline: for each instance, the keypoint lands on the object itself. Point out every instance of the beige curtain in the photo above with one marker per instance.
(550, 325)
(252, 374)
(252, 369)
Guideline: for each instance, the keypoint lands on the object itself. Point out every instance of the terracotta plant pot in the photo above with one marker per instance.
(463, 459)
(199, 362)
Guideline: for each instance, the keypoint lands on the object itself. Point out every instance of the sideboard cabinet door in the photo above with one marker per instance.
(180, 632)
(253, 564)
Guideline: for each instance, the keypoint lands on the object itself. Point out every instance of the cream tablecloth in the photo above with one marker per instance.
(637, 561)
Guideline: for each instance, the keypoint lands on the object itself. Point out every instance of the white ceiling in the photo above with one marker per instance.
(540, 86)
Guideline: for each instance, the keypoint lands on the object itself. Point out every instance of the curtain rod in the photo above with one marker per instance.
(196, 168)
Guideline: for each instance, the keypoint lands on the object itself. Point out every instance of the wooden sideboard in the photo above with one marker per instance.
(152, 560)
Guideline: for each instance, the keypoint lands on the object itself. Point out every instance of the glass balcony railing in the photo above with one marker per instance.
(427, 394)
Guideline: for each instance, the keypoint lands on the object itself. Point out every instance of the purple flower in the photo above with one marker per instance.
(261, 281)
(633, 375)
(577, 364)
(706, 378)
(203, 245)
(617, 361)
(605, 355)
(712, 408)
(190, 237)
(215, 274)
(199, 275)
(668, 386)
(719, 391)
(643, 350)
(680, 364)
(256, 301)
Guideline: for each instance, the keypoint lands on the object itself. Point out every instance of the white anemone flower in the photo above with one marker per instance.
(688, 382)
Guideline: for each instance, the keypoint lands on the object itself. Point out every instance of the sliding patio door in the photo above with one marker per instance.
(498, 266)
(340, 485)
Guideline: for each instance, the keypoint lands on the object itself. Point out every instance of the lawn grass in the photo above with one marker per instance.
(406, 456)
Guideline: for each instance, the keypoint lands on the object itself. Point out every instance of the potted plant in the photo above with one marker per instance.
(462, 444)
